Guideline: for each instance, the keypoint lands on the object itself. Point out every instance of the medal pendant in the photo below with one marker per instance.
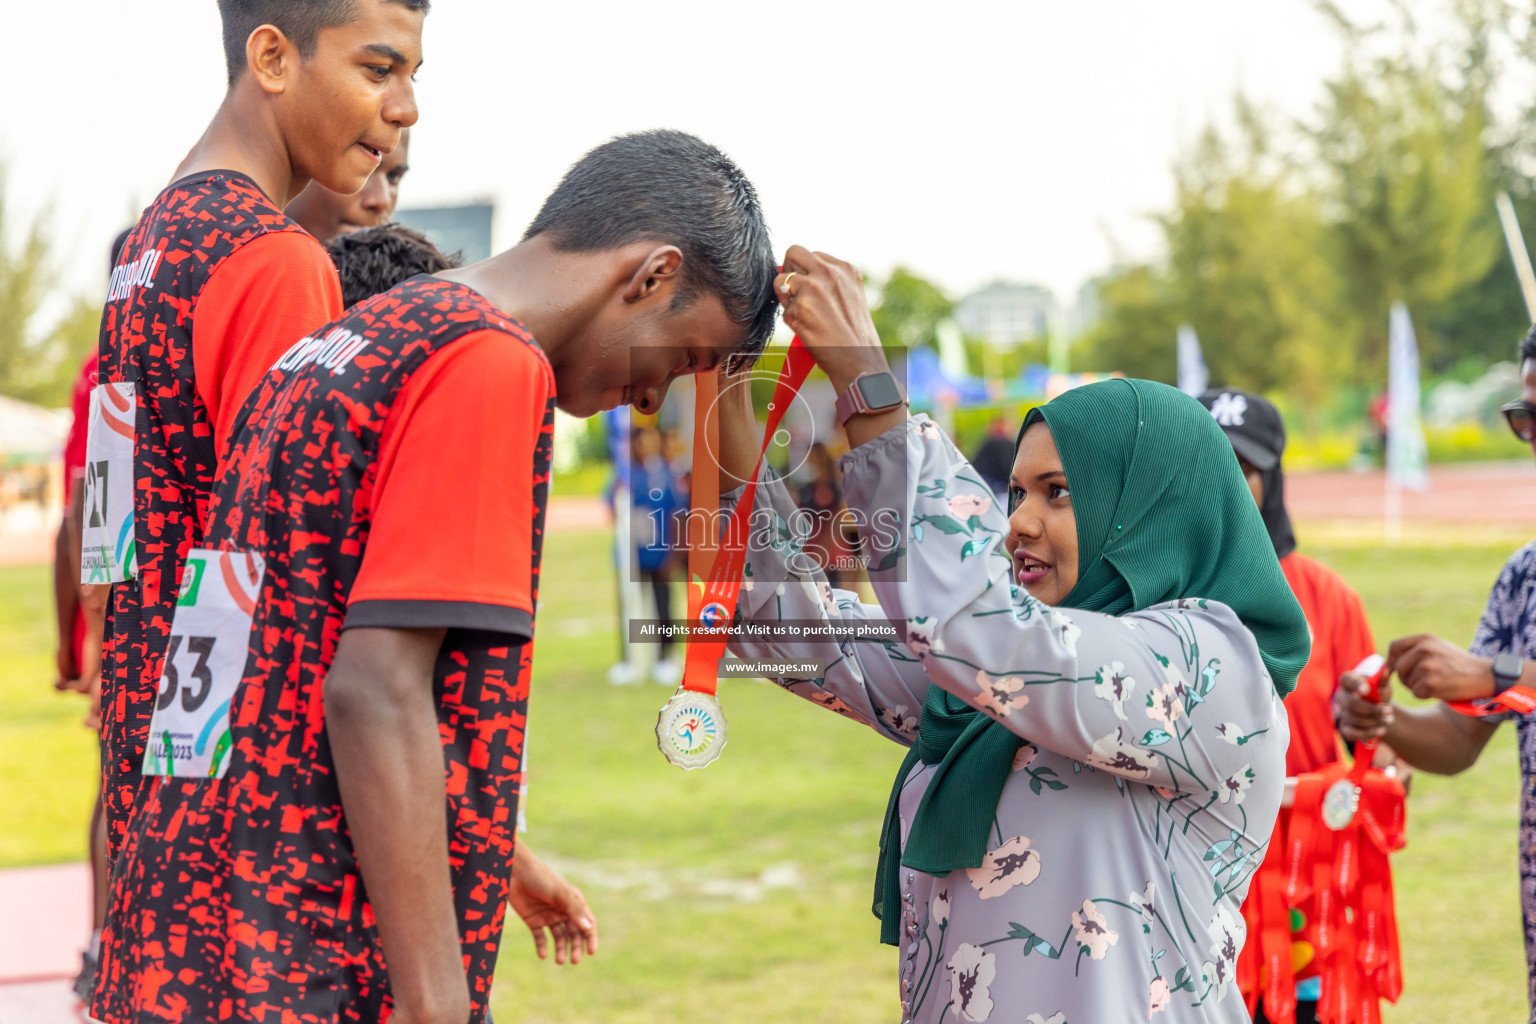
(1340, 803)
(690, 731)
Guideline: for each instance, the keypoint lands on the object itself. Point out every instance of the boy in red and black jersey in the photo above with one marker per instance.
(391, 473)
(213, 285)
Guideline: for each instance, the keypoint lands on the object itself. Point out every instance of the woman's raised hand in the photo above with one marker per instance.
(824, 304)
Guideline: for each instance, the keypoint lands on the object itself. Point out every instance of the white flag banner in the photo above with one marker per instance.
(1407, 454)
(1193, 376)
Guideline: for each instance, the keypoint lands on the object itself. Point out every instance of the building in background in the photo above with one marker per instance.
(463, 229)
(1089, 307)
(1006, 313)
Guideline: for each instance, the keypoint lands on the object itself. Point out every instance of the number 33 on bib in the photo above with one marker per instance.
(189, 733)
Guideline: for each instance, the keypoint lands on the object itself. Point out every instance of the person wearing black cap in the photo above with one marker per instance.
(1341, 639)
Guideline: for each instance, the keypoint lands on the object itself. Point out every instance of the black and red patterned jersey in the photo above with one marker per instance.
(214, 284)
(392, 470)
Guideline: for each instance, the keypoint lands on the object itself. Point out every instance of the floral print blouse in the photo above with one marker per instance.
(1137, 809)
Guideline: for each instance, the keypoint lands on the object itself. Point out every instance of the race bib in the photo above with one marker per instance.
(210, 635)
(107, 551)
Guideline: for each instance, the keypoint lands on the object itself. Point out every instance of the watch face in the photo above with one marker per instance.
(880, 391)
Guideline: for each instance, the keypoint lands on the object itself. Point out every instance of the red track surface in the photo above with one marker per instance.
(1481, 493)
(44, 922)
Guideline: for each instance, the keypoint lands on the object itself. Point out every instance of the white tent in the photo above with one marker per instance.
(30, 433)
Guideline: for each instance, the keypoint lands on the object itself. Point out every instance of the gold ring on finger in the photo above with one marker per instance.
(788, 278)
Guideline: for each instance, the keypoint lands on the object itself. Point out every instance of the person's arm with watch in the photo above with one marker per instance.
(1433, 668)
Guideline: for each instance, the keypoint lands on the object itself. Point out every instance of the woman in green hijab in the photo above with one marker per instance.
(1089, 687)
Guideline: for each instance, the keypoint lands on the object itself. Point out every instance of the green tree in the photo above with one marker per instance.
(1406, 150)
(37, 365)
(909, 310)
(1484, 322)
(1246, 267)
(1287, 244)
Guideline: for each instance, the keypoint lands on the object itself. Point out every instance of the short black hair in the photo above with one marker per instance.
(299, 20)
(673, 188)
(1528, 345)
(374, 260)
(117, 249)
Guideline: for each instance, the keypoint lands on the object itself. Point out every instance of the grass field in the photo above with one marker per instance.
(744, 889)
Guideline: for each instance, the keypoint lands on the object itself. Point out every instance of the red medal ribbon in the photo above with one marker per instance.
(1347, 873)
(713, 605)
(1519, 699)
(1266, 957)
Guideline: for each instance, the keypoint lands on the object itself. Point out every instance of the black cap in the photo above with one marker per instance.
(1252, 423)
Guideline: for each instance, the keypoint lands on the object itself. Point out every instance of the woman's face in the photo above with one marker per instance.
(1042, 528)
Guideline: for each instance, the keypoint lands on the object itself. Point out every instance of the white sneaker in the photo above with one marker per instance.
(667, 673)
(623, 674)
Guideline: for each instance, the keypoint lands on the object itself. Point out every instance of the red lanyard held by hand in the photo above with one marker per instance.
(1343, 866)
(1519, 699)
(691, 727)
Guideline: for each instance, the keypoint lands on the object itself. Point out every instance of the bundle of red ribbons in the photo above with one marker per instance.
(1344, 824)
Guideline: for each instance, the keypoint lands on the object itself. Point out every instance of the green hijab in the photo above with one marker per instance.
(1163, 512)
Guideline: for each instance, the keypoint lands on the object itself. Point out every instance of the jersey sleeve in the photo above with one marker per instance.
(267, 295)
(80, 409)
(456, 500)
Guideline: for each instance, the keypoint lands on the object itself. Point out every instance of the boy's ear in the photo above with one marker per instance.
(659, 269)
(270, 57)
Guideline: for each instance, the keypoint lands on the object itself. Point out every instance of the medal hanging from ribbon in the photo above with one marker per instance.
(1344, 867)
(691, 728)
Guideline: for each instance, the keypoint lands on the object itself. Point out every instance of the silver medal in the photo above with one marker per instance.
(690, 731)
(1340, 803)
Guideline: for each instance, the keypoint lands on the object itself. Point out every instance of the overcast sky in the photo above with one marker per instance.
(967, 140)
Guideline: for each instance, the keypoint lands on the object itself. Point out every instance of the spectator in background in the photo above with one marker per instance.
(1341, 639)
(1441, 739)
(994, 459)
(82, 612)
(654, 506)
(823, 497)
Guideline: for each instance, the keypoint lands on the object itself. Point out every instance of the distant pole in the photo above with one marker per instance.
(1192, 372)
(623, 505)
(1058, 345)
(1517, 251)
(1407, 455)
(1392, 518)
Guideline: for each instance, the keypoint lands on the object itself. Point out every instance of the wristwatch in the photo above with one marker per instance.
(869, 392)
(1506, 671)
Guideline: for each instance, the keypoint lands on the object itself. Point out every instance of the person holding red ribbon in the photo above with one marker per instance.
(1492, 682)
(1089, 686)
(1282, 971)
